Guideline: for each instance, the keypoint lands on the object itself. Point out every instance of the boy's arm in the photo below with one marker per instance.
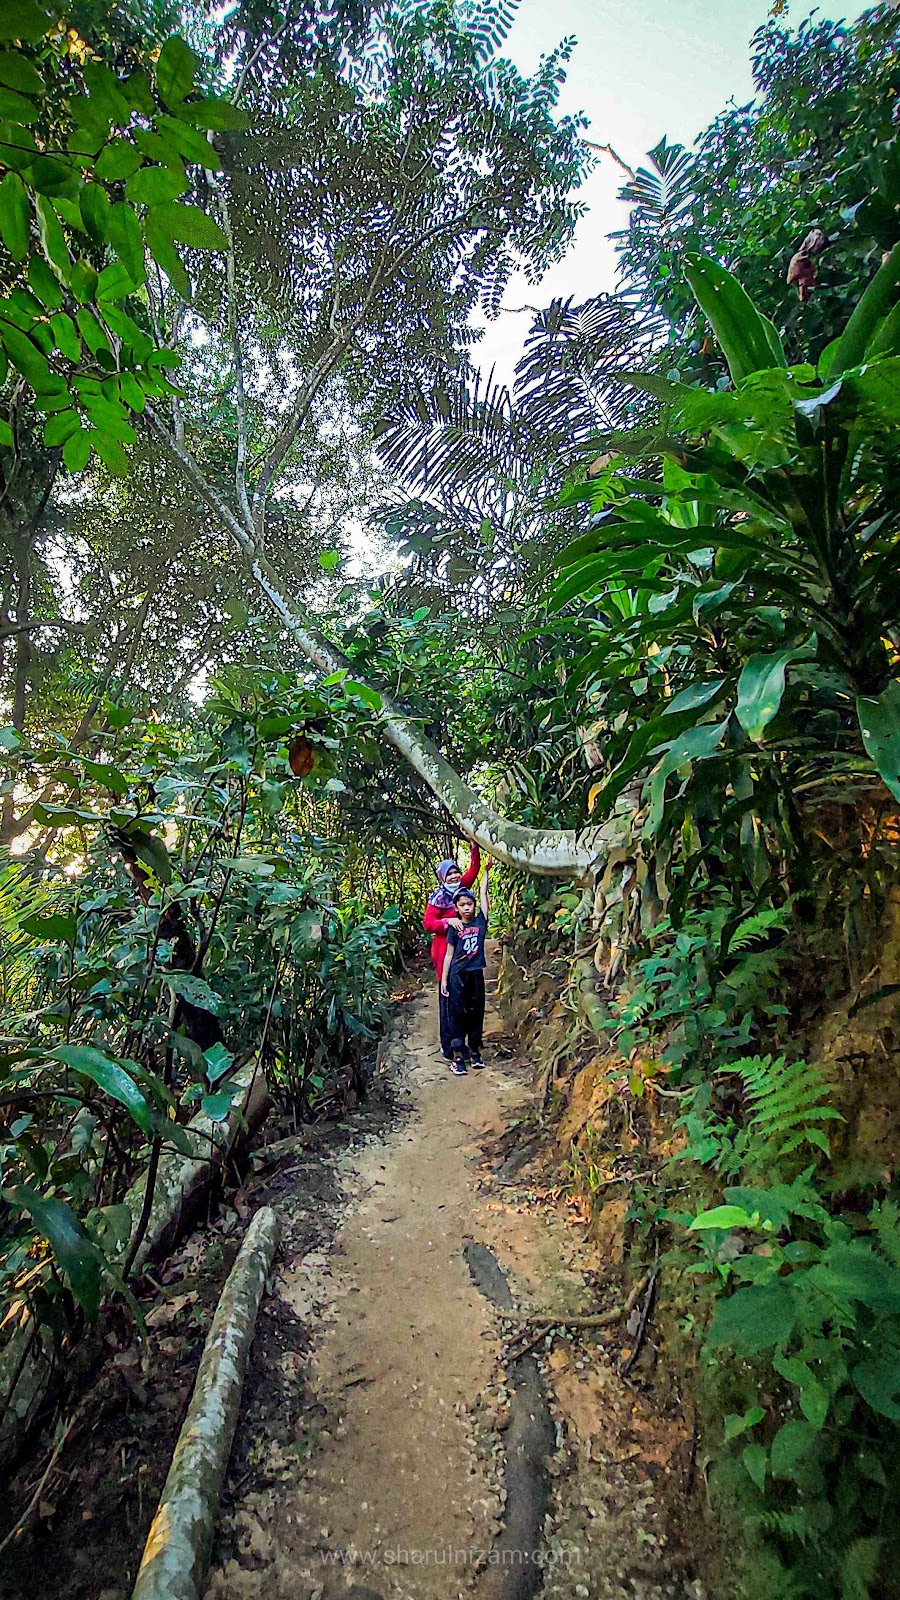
(473, 869)
(485, 901)
(448, 962)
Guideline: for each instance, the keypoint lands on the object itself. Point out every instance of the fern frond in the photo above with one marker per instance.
(787, 1102)
(757, 926)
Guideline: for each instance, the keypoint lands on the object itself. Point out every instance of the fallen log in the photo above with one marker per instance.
(178, 1546)
(182, 1183)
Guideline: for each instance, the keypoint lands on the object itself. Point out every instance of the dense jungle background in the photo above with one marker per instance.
(294, 598)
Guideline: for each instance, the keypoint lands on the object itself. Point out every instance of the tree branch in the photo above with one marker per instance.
(559, 852)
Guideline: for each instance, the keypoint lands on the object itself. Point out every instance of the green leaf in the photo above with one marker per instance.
(153, 185)
(16, 108)
(22, 19)
(369, 697)
(114, 283)
(874, 303)
(118, 160)
(329, 559)
(189, 225)
(109, 1074)
(734, 319)
(15, 216)
(166, 256)
(190, 143)
(220, 116)
(76, 1255)
(44, 282)
(61, 427)
(151, 852)
(111, 454)
(84, 279)
(195, 991)
(17, 72)
(217, 1106)
(77, 451)
(792, 1443)
(697, 744)
(52, 238)
(755, 1461)
(126, 239)
(754, 1319)
(879, 722)
(217, 1062)
(175, 70)
(7, 437)
(697, 694)
(25, 356)
(760, 691)
(722, 1217)
(54, 927)
(107, 776)
(877, 1379)
(94, 205)
(736, 1425)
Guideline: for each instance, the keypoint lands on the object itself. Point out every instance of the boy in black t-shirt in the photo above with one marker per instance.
(462, 980)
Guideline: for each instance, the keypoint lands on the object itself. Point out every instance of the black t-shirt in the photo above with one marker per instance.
(468, 946)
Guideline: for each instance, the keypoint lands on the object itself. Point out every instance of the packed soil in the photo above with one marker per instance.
(407, 1431)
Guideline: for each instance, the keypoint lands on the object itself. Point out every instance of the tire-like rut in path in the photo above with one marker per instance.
(378, 1417)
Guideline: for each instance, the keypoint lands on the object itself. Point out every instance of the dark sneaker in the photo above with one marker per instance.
(476, 1063)
(459, 1068)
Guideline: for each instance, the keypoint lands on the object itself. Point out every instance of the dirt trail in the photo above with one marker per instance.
(370, 1458)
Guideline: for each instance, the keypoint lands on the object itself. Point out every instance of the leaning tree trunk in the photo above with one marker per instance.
(551, 852)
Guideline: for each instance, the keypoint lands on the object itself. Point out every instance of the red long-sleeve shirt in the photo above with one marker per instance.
(436, 917)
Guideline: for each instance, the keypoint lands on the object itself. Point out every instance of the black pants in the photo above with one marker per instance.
(465, 1008)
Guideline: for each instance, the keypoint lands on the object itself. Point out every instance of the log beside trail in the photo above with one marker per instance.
(178, 1546)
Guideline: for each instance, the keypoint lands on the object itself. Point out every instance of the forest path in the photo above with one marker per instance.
(370, 1457)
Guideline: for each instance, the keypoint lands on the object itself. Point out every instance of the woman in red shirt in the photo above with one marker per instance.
(440, 914)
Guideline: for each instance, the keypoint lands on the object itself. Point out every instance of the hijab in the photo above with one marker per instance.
(443, 897)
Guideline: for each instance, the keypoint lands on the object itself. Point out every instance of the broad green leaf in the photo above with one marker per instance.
(190, 226)
(877, 1379)
(697, 744)
(760, 690)
(191, 143)
(111, 454)
(22, 19)
(126, 239)
(734, 319)
(369, 697)
(754, 1319)
(723, 1217)
(217, 1061)
(736, 1425)
(76, 1255)
(25, 356)
(59, 428)
(77, 451)
(16, 108)
(56, 926)
(874, 303)
(111, 1075)
(17, 72)
(109, 777)
(195, 990)
(65, 336)
(792, 1443)
(94, 204)
(220, 116)
(755, 1460)
(118, 160)
(166, 256)
(217, 1106)
(153, 185)
(14, 216)
(879, 721)
(175, 71)
(52, 238)
(151, 852)
(114, 283)
(697, 694)
(7, 437)
(43, 282)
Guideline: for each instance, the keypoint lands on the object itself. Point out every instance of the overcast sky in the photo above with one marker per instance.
(640, 69)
